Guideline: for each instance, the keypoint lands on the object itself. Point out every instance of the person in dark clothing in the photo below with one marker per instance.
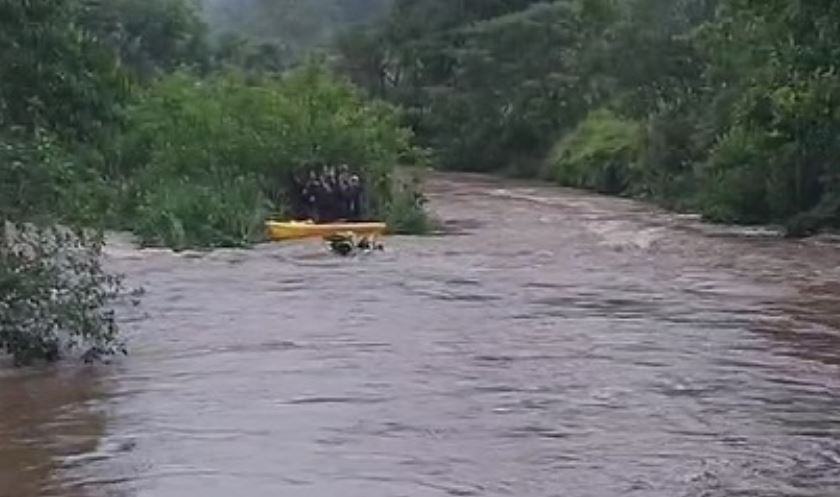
(298, 195)
(329, 201)
(310, 196)
(324, 201)
(344, 176)
(343, 180)
(354, 198)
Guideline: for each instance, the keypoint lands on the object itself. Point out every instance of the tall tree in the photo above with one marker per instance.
(54, 72)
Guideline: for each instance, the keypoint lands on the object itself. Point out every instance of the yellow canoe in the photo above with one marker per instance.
(293, 230)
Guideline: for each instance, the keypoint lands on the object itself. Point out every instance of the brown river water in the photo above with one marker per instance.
(553, 343)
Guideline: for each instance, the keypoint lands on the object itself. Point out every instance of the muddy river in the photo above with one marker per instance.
(553, 343)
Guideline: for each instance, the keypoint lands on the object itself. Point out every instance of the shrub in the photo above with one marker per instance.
(213, 213)
(735, 182)
(40, 179)
(32, 172)
(405, 212)
(777, 160)
(600, 154)
(676, 138)
(54, 294)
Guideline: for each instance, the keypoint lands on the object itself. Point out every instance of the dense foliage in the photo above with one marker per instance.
(600, 154)
(54, 295)
(55, 74)
(149, 37)
(207, 159)
(60, 93)
(725, 106)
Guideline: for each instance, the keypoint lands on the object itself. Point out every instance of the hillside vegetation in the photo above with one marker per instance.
(729, 107)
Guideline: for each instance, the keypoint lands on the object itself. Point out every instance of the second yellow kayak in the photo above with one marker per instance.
(293, 230)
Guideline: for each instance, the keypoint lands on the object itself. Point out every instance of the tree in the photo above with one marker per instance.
(61, 91)
(738, 99)
(150, 36)
(297, 26)
(74, 88)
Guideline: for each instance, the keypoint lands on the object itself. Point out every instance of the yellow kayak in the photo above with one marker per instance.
(293, 230)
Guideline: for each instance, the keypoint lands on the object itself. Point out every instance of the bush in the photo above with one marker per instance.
(405, 212)
(41, 180)
(776, 163)
(182, 214)
(189, 141)
(824, 216)
(32, 172)
(601, 154)
(677, 137)
(54, 294)
(735, 188)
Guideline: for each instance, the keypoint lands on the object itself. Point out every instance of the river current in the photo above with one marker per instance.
(550, 343)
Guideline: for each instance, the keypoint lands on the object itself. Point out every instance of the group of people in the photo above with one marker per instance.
(327, 194)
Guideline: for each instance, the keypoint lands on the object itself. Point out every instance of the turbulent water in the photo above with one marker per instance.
(551, 344)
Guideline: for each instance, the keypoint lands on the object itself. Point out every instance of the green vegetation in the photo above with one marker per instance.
(60, 91)
(601, 154)
(727, 107)
(207, 160)
(405, 214)
(149, 38)
(54, 294)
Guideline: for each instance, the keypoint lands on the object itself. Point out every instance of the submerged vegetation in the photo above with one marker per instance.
(727, 107)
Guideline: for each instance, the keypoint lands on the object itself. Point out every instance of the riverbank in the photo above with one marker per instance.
(803, 227)
(692, 219)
